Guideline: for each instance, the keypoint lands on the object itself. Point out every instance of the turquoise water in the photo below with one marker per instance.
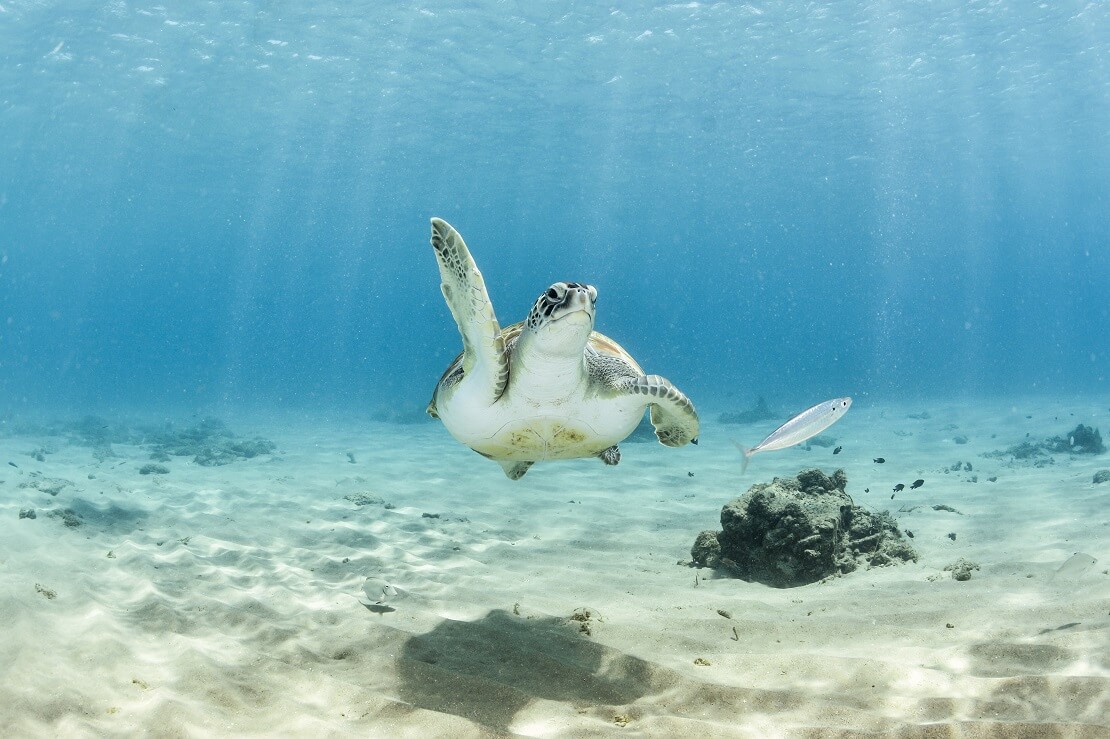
(219, 313)
(227, 204)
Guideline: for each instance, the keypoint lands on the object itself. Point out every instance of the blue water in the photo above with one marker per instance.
(227, 204)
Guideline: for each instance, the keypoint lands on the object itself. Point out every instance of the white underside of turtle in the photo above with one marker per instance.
(549, 387)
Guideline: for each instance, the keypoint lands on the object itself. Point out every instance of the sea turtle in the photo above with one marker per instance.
(549, 387)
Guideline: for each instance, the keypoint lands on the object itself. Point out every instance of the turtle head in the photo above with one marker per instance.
(562, 318)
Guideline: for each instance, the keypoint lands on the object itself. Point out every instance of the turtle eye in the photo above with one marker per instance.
(552, 294)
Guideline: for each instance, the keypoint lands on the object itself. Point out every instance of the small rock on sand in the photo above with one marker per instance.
(961, 569)
(361, 499)
(798, 530)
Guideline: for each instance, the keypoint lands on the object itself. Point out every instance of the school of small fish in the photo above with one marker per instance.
(806, 425)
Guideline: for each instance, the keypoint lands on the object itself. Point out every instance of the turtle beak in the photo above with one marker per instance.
(579, 298)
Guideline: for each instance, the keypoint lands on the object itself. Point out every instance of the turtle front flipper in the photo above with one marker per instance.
(465, 292)
(672, 413)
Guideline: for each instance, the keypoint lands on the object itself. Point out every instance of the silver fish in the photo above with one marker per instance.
(805, 425)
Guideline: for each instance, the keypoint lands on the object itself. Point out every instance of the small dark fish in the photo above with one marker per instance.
(878, 460)
(867, 490)
(899, 488)
(689, 474)
(909, 533)
(13, 464)
(916, 484)
(892, 496)
(837, 450)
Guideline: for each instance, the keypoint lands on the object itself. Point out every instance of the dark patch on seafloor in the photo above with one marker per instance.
(209, 442)
(68, 516)
(1081, 440)
(489, 670)
(799, 530)
(49, 485)
(99, 434)
(759, 412)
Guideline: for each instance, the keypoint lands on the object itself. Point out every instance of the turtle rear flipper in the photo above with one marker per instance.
(515, 470)
(672, 413)
(465, 292)
(610, 456)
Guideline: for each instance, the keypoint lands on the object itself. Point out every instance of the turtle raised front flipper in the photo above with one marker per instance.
(672, 413)
(464, 290)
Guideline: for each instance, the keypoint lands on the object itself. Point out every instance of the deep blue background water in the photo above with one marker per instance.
(228, 203)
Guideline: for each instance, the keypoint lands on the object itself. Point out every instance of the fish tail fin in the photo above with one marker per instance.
(747, 455)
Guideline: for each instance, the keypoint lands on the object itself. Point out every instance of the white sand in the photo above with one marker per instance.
(230, 604)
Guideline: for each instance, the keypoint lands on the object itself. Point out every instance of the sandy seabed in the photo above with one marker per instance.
(233, 600)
